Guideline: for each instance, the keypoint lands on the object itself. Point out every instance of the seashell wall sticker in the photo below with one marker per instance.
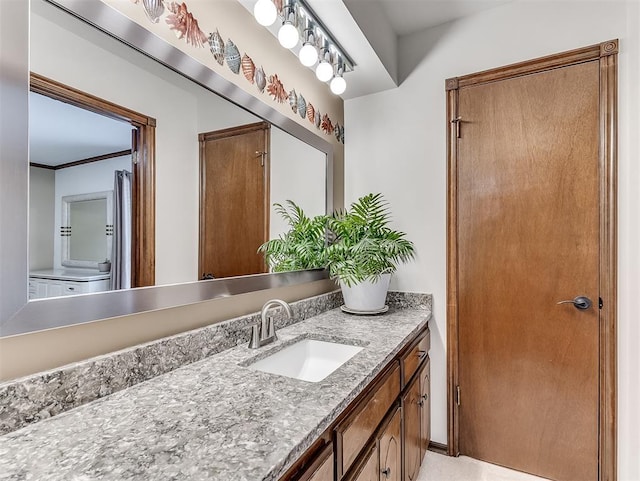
(185, 26)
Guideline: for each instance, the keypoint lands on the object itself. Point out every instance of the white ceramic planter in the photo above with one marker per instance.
(366, 296)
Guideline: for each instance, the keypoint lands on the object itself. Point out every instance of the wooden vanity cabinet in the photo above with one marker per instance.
(384, 434)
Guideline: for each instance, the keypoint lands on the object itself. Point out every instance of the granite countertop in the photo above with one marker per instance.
(213, 419)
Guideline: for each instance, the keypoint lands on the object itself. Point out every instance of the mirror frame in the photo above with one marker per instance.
(65, 242)
(17, 315)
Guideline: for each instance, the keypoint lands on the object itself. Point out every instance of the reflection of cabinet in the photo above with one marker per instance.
(384, 432)
(65, 282)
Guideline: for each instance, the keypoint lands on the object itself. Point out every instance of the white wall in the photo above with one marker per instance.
(41, 217)
(293, 159)
(82, 179)
(396, 145)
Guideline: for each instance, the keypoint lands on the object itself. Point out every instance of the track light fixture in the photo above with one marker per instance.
(301, 24)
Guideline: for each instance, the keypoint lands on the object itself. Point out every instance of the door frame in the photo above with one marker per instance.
(266, 159)
(143, 235)
(606, 53)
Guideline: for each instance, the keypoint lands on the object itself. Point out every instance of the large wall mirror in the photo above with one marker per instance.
(81, 198)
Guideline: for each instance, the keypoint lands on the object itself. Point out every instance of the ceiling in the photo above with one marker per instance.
(410, 16)
(60, 133)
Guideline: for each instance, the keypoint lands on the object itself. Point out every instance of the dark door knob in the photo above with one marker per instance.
(580, 302)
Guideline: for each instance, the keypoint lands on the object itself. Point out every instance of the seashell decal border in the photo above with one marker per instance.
(182, 22)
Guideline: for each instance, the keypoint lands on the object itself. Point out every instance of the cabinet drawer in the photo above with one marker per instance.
(355, 431)
(412, 359)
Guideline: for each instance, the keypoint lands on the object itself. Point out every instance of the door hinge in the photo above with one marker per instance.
(457, 122)
(134, 157)
(458, 395)
(262, 155)
(600, 302)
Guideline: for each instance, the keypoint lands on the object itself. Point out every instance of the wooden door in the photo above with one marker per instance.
(389, 450)
(234, 200)
(425, 408)
(412, 415)
(528, 231)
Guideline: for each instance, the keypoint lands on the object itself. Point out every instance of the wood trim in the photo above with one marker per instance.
(606, 52)
(88, 160)
(608, 263)
(143, 250)
(232, 131)
(41, 166)
(56, 90)
(452, 277)
(438, 448)
(267, 190)
(528, 67)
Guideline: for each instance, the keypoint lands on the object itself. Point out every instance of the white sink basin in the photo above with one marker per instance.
(307, 360)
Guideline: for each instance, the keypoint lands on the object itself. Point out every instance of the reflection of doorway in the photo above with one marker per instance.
(142, 152)
(234, 200)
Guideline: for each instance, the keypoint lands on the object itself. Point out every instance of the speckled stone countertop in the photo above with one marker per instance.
(213, 419)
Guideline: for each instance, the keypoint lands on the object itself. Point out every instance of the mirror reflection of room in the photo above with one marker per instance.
(78, 160)
(75, 55)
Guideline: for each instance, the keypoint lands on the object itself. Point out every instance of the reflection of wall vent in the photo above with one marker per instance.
(109, 229)
(65, 231)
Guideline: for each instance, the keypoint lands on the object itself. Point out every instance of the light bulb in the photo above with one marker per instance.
(265, 12)
(324, 71)
(338, 85)
(288, 35)
(308, 55)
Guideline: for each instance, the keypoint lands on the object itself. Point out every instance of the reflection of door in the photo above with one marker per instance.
(234, 202)
(527, 233)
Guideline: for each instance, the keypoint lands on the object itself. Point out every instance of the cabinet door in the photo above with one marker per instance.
(389, 450)
(412, 426)
(425, 408)
(325, 471)
(369, 470)
(321, 468)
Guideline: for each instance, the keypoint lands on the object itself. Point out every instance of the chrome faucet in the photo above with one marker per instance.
(264, 332)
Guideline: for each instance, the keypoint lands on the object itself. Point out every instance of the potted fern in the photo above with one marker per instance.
(302, 247)
(361, 254)
(365, 252)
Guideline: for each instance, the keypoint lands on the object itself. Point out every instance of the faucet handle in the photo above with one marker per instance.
(256, 335)
(271, 329)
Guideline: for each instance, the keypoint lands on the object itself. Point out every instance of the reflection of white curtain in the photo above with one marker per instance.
(121, 252)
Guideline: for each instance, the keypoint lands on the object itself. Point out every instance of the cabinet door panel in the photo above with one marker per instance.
(370, 470)
(389, 450)
(425, 414)
(412, 426)
(325, 471)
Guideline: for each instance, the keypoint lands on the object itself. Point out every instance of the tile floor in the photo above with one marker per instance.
(437, 467)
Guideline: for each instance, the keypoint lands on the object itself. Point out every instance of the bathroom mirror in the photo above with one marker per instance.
(87, 229)
(18, 316)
